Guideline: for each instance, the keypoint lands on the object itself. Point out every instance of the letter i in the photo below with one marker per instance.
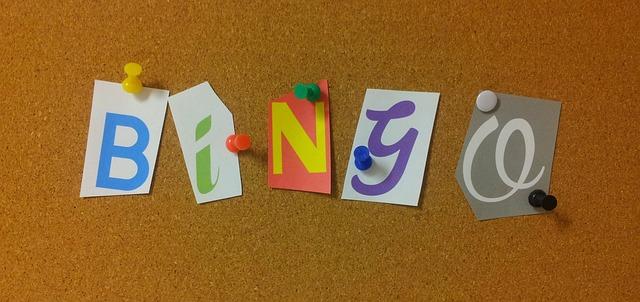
(203, 159)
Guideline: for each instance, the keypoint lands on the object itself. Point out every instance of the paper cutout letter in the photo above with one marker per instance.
(203, 123)
(122, 144)
(299, 143)
(490, 156)
(396, 126)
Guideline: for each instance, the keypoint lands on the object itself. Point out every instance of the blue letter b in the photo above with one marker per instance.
(109, 150)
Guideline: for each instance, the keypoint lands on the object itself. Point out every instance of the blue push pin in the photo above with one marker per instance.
(363, 159)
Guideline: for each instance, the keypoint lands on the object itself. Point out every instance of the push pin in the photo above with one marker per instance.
(363, 159)
(539, 198)
(309, 92)
(132, 84)
(486, 101)
(238, 142)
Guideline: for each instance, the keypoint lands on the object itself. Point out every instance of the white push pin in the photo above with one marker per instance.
(486, 101)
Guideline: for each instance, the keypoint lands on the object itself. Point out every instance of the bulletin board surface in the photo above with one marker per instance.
(285, 245)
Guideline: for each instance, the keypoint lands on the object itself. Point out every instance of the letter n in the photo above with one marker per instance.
(285, 124)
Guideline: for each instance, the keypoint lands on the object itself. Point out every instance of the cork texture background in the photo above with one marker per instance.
(295, 246)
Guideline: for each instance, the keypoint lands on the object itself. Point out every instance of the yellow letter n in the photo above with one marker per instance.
(284, 123)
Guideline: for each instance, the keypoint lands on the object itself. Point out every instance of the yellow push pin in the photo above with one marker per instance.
(132, 84)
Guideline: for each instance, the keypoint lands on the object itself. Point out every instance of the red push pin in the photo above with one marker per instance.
(238, 142)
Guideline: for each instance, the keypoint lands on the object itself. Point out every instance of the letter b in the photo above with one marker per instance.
(135, 153)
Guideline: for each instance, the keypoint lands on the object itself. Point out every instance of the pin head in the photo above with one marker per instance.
(310, 92)
(486, 101)
(363, 160)
(238, 142)
(132, 84)
(539, 198)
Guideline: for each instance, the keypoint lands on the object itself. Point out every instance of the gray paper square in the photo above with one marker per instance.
(490, 194)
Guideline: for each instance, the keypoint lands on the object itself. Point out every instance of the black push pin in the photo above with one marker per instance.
(539, 198)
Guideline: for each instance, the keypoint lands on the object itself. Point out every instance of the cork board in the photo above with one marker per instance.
(282, 245)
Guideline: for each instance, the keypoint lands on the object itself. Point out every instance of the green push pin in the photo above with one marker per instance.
(310, 92)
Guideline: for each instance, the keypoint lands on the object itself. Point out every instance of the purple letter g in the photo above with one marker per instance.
(377, 148)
